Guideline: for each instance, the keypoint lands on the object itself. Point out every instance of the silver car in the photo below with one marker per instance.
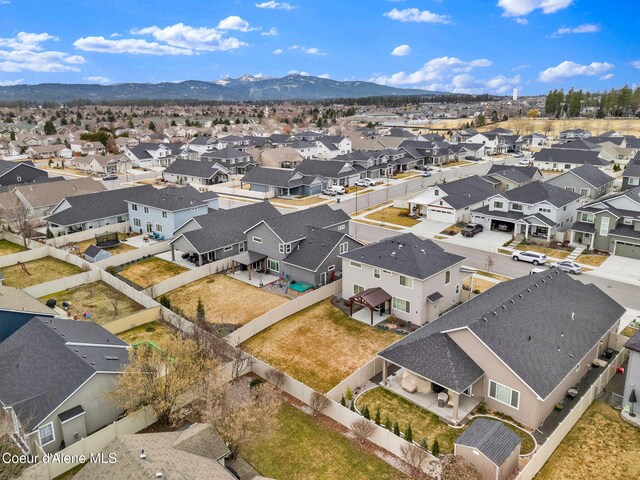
(568, 267)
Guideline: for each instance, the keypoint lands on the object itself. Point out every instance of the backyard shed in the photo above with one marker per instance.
(491, 447)
(94, 254)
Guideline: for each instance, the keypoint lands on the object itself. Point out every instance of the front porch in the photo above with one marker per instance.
(449, 406)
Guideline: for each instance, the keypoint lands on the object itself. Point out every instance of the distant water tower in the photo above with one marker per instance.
(515, 94)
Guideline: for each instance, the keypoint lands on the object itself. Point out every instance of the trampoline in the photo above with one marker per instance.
(300, 287)
(107, 240)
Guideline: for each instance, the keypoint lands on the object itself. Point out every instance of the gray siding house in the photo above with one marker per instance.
(590, 182)
(71, 367)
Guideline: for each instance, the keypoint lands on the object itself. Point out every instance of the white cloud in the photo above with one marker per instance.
(97, 79)
(416, 15)
(518, 8)
(234, 23)
(401, 50)
(115, 35)
(277, 51)
(25, 52)
(608, 76)
(522, 21)
(272, 5)
(568, 69)
(307, 50)
(434, 70)
(324, 75)
(178, 39)
(9, 83)
(272, 32)
(584, 28)
(295, 72)
(636, 64)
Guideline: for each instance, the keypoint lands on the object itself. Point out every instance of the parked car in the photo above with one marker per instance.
(567, 266)
(339, 189)
(365, 182)
(537, 270)
(531, 257)
(505, 227)
(517, 155)
(524, 161)
(111, 176)
(329, 192)
(470, 157)
(472, 229)
(426, 173)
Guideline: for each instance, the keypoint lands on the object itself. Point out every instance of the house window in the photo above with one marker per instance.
(567, 166)
(146, 210)
(587, 217)
(257, 239)
(281, 248)
(604, 226)
(164, 214)
(584, 192)
(344, 247)
(436, 192)
(544, 210)
(158, 228)
(331, 268)
(46, 434)
(503, 394)
(516, 206)
(287, 248)
(273, 265)
(406, 281)
(134, 207)
(357, 289)
(447, 277)
(627, 221)
(376, 273)
(241, 247)
(341, 227)
(634, 181)
(355, 264)
(401, 305)
(136, 222)
(498, 204)
(457, 289)
(570, 189)
(227, 249)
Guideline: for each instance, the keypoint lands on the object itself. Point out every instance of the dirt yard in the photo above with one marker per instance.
(319, 346)
(80, 247)
(37, 272)
(98, 299)
(225, 299)
(151, 332)
(150, 271)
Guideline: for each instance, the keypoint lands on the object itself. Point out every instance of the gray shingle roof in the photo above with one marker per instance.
(94, 206)
(574, 157)
(324, 168)
(316, 246)
(293, 226)
(406, 254)
(195, 168)
(634, 342)
(39, 370)
(493, 439)
(278, 177)
(467, 191)
(173, 198)
(507, 171)
(536, 192)
(539, 325)
(590, 174)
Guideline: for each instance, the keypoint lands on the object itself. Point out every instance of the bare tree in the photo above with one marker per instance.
(241, 413)
(319, 403)
(18, 216)
(363, 429)
(416, 457)
(489, 262)
(240, 361)
(275, 377)
(115, 301)
(8, 468)
(455, 467)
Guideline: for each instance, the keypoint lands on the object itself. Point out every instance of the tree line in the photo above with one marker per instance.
(617, 102)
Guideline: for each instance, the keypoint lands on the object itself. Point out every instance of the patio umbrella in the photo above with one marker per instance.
(632, 400)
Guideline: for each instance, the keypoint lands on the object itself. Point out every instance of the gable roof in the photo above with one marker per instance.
(590, 174)
(405, 254)
(575, 157)
(173, 198)
(17, 300)
(540, 326)
(493, 439)
(278, 177)
(325, 168)
(48, 359)
(50, 193)
(315, 248)
(293, 226)
(537, 191)
(194, 168)
(467, 191)
(513, 172)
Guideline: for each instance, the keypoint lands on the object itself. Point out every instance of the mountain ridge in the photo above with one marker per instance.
(243, 88)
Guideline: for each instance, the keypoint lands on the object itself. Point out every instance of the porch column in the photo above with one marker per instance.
(456, 402)
(371, 310)
(173, 253)
(249, 269)
(526, 231)
(384, 371)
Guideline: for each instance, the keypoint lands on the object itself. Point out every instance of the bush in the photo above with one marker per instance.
(476, 291)
(342, 401)
(255, 382)
(365, 413)
(482, 408)
(424, 444)
(377, 417)
(165, 302)
(396, 429)
(616, 167)
(387, 423)
(408, 434)
(349, 394)
(149, 329)
(435, 448)
(353, 406)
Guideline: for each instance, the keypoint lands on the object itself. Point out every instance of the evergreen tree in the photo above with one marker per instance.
(49, 128)
(152, 126)
(201, 316)
(408, 434)
(377, 417)
(435, 448)
(396, 429)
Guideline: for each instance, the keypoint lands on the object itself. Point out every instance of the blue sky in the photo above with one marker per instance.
(452, 45)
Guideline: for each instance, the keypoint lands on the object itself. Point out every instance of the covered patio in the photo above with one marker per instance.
(248, 261)
(376, 305)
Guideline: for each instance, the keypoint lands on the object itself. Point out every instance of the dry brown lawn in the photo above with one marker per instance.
(319, 346)
(591, 259)
(39, 271)
(600, 445)
(97, 298)
(549, 252)
(225, 299)
(298, 202)
(397, 216)
(479, 284)
(81, 247)
(151, 332)
(7, 247)
(150, 271)
(629, 331)
(461, 163)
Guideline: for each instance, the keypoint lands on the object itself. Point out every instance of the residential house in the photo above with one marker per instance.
(405, 276)
(40, 198)
(282, 182)
(508, 177)
(71, 367)
(536, 209)
(491, 447)
(15, 173)
(145, 155)
(126, 142)
(332, 172)
(102, 164)
(196, 172)
(162, 211)
(587, 180)
(284, 157)
(236, 161)
(631, 174)
(493, 142)
(372, 164)
(193, 453)
(519, 347)
(452, 202)
(304, 148)
(94, 210)
(49, 151)
(220, 233)
(575, 133)
(610, 224)
(84, 147)
(331, 146)
(17, 307)
(561, 160)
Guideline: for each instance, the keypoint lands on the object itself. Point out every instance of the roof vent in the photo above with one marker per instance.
(142, 454)
(84, 356)
(528, 290)
(529, 338)
(512, 300)
(504, 307)
(573, 315)
(159, 475)
(520, 295)
(484, 319)
(494, 313)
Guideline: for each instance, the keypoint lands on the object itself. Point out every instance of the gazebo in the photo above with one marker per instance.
(371, 298)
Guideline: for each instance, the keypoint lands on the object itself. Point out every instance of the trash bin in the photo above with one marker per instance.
(338, 200)
(608, 353)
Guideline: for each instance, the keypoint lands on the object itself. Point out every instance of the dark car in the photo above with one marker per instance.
(111, 176)
(472, 229)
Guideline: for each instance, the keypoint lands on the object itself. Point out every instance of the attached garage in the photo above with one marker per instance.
(626, 249)
(440, 214)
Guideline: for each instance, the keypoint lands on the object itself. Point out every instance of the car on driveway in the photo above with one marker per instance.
(471, 230)
(525, 162)
(568, 267)
(110, 176)
(365, 182)
(529, 256)
(329, 192)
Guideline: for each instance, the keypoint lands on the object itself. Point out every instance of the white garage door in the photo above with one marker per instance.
(441, 215)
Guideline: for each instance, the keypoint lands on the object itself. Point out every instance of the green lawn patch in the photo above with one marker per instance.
(37, 271)
(7, 247)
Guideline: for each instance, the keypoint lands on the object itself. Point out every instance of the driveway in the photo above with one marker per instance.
(622, 269)
(429, 228)
(487, 241)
